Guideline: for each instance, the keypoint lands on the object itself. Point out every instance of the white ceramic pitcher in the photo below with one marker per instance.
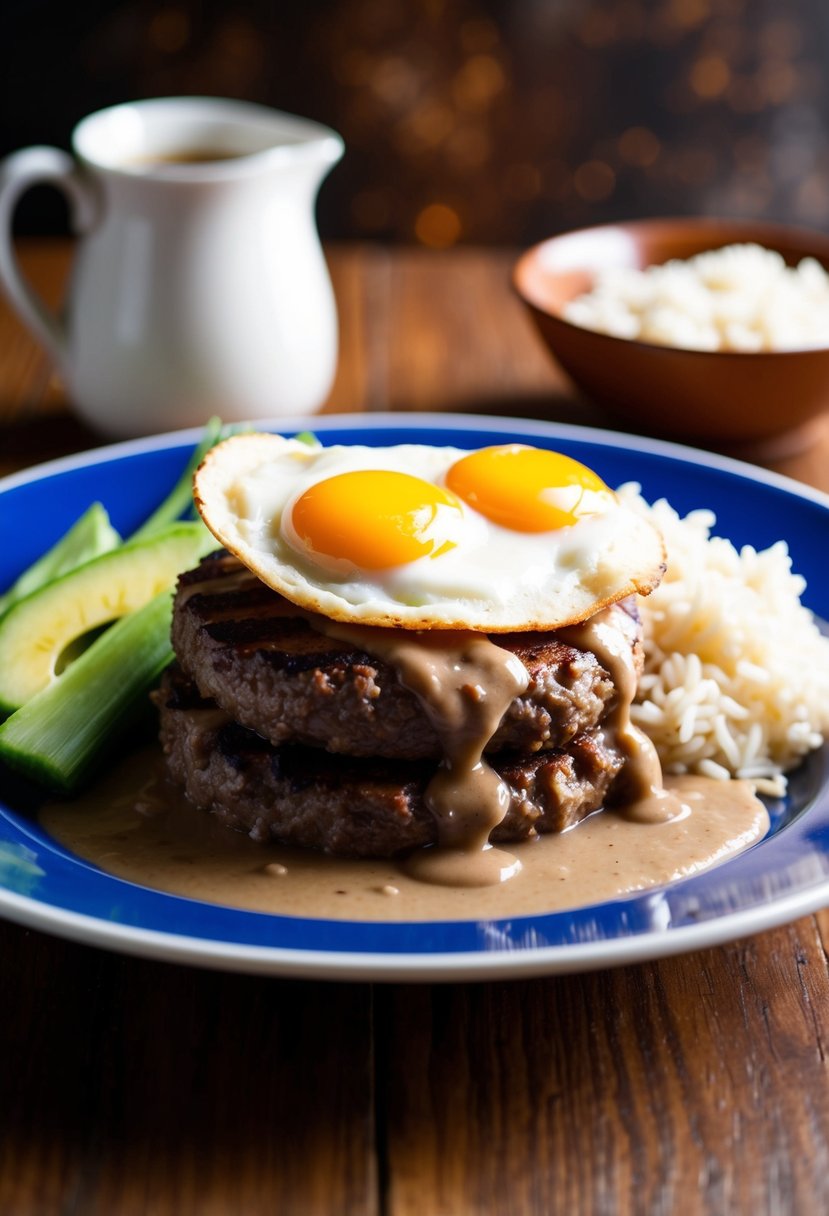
(199, 286)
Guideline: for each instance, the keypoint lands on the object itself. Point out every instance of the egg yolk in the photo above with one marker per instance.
(528, 489)
(376, 518)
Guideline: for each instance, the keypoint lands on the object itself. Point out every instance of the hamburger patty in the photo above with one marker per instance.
(271, 670)
(357, 807)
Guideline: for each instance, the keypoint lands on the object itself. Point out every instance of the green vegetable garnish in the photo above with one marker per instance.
(180, 498)
(36, 631)
(88, 537)
(57, 737)
(58, 613)
(308, 437)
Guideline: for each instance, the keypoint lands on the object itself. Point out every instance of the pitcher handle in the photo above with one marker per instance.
(17, 173)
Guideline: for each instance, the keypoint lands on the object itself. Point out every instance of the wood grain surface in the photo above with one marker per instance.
(131, 1088)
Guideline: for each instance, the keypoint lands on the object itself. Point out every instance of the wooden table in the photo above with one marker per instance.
(693, 1085)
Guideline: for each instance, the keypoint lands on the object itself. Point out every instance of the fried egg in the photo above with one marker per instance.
(509, 537)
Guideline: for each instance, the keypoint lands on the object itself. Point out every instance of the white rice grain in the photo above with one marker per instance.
(739, 298)
(736, 679)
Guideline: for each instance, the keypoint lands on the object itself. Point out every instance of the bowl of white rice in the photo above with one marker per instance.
(713, 332)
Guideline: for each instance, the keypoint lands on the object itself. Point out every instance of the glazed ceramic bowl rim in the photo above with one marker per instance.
(695, 224)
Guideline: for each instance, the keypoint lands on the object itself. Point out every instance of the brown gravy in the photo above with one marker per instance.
(645, 796)
(464, 682)
(141, 828)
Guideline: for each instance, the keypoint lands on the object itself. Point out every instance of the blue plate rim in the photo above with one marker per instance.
(420, 421)
(482, 962)
(367, 966)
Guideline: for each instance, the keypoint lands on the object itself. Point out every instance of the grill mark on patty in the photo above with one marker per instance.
(290, 646)
(219, 604)
(216, 565)
(251, 616)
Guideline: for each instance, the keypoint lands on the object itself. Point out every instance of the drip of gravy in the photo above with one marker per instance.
(465, 684)
(642, 790)
(142, 828)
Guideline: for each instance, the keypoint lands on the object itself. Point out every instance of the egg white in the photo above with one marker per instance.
(494, 579)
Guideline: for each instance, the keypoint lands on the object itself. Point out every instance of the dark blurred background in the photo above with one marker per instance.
(466, 120)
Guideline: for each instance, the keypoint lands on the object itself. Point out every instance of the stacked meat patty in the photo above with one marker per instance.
(288, 734)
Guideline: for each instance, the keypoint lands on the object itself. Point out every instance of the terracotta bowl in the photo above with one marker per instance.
(750, 404)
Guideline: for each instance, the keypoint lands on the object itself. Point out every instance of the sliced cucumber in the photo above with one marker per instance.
(88, 537)
(36, 630)
(58, 735)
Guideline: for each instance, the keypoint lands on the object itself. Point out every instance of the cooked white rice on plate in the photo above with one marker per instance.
(736, 679)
